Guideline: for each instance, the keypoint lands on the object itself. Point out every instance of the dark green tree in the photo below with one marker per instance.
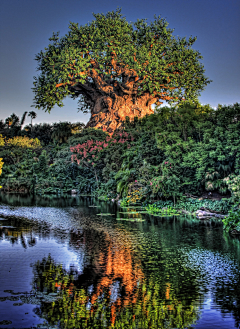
(12, 120)
(33, 115)
(61, 131)
(117, 70)
(23, 119)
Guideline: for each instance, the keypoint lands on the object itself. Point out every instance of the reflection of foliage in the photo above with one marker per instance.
(48, 276)
(229, 299)
(139, 303)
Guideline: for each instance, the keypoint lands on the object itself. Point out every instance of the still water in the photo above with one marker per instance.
(77, 262)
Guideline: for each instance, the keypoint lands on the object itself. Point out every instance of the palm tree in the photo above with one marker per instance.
(9, 121)
(23, 119)
(33, 115)
(15, 119)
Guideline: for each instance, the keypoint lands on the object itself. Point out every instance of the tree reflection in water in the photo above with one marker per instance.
(112, 290)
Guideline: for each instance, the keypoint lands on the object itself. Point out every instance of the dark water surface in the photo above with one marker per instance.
(64, 266)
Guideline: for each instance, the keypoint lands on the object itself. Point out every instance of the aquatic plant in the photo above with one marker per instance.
(154, 209)
(189, 204)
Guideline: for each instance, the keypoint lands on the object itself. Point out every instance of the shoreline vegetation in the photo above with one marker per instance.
(181, 158)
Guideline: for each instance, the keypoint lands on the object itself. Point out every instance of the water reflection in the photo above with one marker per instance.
(47, 200)
(110, 298)
(158, 273)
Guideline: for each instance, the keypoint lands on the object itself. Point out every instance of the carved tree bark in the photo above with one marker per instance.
(108, 112)
(111, 100)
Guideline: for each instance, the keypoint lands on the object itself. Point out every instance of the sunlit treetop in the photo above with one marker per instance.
(114, 58)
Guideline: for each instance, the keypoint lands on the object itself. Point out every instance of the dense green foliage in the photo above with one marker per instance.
(176, 152)
(110, 54)
(232, 221)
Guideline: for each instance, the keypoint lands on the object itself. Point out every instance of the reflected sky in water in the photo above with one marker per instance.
(158, 272)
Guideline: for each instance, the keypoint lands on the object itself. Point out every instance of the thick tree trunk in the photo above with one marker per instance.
(109, 113)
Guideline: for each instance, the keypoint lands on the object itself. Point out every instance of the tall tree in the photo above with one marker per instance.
(23, 119)
(116, 70)
(33, 115)
(8, 121)
(12, 120)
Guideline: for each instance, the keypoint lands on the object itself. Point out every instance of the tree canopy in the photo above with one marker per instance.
(111, 57)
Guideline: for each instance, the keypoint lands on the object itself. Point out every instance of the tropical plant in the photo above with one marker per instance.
(23, 119)
(148, 158)
(232, 221)
(33, 115)
(42, 131)
(61, 132)
(233, 183)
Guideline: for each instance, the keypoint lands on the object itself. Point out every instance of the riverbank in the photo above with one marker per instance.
(223, 209)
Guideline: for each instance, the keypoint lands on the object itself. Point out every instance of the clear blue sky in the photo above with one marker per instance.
(26, 25)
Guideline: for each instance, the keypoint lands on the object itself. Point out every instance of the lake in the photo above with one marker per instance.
(77, 262)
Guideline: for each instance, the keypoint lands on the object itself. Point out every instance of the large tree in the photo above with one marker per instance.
(118, 69)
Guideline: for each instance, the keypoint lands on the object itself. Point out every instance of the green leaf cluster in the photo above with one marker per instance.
(164, 64)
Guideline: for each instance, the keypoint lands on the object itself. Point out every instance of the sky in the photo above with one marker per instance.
(26, 26)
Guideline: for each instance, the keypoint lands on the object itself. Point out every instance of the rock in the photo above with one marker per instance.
(200, 214)
(220, 216)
